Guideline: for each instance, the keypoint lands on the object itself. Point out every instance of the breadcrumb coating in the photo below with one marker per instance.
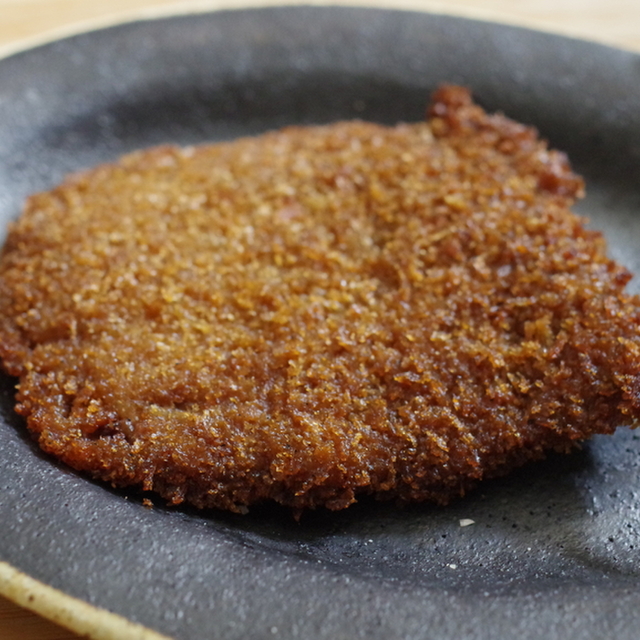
(319, 313)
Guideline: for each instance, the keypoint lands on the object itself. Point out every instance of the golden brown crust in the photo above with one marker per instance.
(317, 313)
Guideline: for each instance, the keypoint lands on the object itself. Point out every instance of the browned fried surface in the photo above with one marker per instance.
(318, 312)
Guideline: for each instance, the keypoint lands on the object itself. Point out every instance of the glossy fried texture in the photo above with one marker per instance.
(319, 313)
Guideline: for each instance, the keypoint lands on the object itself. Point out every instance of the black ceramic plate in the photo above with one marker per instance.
(554, 549)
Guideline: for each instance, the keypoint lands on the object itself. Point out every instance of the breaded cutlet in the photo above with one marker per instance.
(319, 313)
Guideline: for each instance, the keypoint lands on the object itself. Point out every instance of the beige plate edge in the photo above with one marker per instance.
(67, 611)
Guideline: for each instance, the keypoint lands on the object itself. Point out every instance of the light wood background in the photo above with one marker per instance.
(615, 22)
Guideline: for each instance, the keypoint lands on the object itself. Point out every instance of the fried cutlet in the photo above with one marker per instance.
(319, 313)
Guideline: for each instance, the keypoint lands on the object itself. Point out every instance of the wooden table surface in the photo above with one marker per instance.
(615, 22)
